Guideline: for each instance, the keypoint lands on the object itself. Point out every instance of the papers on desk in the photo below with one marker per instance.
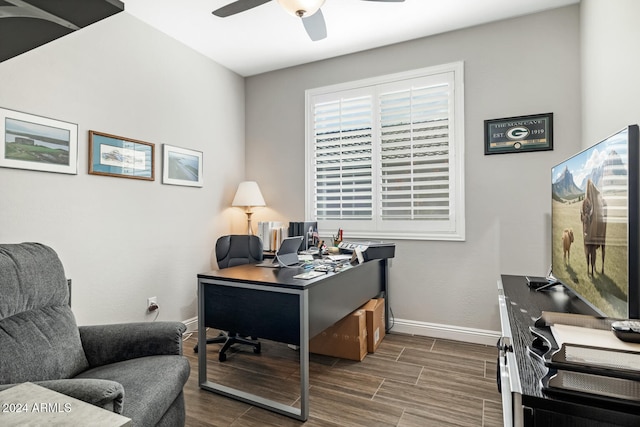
(340, 257)
(594, 348)
(590, 337)
(309, 275)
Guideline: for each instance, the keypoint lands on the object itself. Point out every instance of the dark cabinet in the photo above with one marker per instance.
(519, 375)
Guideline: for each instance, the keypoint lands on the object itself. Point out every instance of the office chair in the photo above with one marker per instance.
(235, 250)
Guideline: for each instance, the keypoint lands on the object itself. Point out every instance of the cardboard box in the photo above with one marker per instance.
(374, 310)
(346, 339)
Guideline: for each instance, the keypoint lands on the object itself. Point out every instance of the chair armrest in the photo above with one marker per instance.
(105, 344)
(102, 393)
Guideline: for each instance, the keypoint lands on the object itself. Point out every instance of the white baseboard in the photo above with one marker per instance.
(191, 324)
(434, 330)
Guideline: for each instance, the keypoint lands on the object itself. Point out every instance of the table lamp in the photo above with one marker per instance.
(248, 196)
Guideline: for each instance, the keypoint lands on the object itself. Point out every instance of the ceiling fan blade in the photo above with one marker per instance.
(237, 7)
(315, 26)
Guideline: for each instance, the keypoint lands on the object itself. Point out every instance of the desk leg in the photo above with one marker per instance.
(202, 337)
(300, 414)
(304, 355)
(384, 273)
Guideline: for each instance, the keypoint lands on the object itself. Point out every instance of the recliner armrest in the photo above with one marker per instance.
(105, 344)
(102, 393)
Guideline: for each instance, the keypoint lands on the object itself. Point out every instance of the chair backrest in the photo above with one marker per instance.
(31, 277)
(238, 249)
(39, 337)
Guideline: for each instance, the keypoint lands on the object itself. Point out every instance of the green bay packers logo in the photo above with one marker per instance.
(518, 133)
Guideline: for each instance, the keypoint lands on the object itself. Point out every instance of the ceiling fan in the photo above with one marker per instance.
(307, 10)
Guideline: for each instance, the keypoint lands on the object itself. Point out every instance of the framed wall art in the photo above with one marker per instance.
(519, 134)
(181, 166)
(38, 143)
(111, 155)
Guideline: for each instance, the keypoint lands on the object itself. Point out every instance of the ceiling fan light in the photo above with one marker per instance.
(301, 8)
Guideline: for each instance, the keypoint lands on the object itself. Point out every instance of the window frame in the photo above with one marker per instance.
(406, 229)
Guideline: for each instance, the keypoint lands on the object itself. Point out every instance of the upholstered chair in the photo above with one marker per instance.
(134, 369)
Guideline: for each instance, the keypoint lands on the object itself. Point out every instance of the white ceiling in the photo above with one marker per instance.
(266, 38)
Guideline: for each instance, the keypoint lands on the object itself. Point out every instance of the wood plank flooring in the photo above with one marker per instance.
(409, 381)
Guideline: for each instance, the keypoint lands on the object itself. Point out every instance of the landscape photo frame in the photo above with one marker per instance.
(181, 166)
(38, 143)
(120, 157)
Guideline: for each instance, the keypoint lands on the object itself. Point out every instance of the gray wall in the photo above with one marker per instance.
(515, 67)
(610, 63)
(124, 240)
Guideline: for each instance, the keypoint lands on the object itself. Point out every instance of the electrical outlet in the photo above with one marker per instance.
(152, 304)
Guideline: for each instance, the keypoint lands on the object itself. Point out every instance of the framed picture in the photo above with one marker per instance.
(38, 143)
(181, 166)
(112, 155)
(519, 134)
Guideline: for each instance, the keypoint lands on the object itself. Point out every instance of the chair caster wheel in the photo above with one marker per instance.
(222, 357)
(256, 349)
(195, 349)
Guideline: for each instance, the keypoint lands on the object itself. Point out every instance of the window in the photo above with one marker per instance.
(385, 156)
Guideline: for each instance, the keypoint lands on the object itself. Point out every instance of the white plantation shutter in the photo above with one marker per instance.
(385, 156)
(343, 150)
(414, 145)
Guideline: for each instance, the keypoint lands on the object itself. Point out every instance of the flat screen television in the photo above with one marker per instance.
(595, 210)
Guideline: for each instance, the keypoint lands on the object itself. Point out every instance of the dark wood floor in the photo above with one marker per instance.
(409, 381)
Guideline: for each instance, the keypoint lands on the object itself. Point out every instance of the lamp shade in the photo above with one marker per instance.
(301, 8)
(248, 194)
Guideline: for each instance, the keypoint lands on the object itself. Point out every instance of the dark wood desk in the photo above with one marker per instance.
(270, 303)
(524, 402)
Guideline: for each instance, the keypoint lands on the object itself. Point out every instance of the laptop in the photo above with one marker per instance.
(287, 255)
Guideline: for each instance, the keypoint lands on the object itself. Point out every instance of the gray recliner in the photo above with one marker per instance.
(134, 369)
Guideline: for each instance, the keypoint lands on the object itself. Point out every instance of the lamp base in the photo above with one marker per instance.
(249, 227)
